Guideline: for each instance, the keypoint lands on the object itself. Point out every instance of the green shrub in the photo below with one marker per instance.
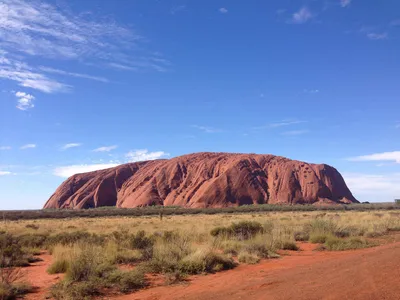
(141, 241)
(257, 247)
(248, 258)
(318, 238)
(69, 238)
(32, 240)
(287, 245)
(132, 281)
(14, 291)
(67, 290)
(58, 266)
(301, 236)
(243, 230)
(205, 261)
(337, 244)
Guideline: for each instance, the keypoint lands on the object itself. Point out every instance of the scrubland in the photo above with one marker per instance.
(115, 255)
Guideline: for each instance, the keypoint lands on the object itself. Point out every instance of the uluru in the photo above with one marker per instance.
(205, 180)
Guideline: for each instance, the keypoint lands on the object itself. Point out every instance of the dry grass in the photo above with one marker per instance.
(88, 250)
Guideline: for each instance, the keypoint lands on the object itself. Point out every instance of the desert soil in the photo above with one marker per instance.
(372, 273)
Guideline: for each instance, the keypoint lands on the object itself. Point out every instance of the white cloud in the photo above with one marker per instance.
(378, 36)
(26, 76)
(345, 3)
(177, 9)
(223, 10)
(78, 75)
(384, 156)
(295, 132)
(28, 146)
(370, 187)
(132, 156)
(301, 16)
(5, 148)
(105, 148)
(144, 154)
(70, 145)
(3, 173)
(280, 124)
(38, 28)
(395, 22)
(207, 129)
(68, 171)
(24, 100)
(311, 91)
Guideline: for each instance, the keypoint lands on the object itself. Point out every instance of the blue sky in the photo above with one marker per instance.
(90, 84)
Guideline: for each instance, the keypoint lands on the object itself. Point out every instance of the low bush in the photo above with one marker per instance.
(131, 281)
(318, 238)
(205, 261)
(301, 236)
(248, 258)
(243, 230)
(337, 244)
(288, 245)
(68, 290)
(14, 291)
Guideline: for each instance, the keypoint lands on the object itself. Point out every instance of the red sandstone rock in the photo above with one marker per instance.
(205, 180)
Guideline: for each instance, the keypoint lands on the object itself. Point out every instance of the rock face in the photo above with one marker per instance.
(205, 180)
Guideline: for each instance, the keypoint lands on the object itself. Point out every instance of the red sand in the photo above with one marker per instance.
(38, 277)
(360, 274)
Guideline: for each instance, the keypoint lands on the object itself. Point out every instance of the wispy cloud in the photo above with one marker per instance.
(384, 156)
(315, 91)
(5, 148)
(4, 173)
(378, 36)
(223, 10)
(68, 171)
(78, 75)
(373, 187)
(345, 3)
(280, 124)
(105, 148)
(177, 9)
(28, 146)
(301, 16)
(395, 22)
(144, 154)
(70, 145)
(295, 132)
(132, 156)
(25, 101)
(207, 129)
(27, 76)
(40, 29)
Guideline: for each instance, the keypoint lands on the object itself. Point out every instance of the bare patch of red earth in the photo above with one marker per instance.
(359, 274)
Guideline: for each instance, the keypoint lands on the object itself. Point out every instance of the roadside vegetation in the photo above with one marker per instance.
(114, 255)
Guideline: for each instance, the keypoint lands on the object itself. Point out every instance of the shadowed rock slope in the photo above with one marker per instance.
(205, 180)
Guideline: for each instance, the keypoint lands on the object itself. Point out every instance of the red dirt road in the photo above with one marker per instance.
(365, 274)
(37, 276)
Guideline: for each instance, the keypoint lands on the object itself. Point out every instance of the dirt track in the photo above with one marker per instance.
(372, 273)
(362, 274)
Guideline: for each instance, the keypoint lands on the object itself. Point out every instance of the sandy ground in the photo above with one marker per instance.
(372, 273)
(37, 276)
